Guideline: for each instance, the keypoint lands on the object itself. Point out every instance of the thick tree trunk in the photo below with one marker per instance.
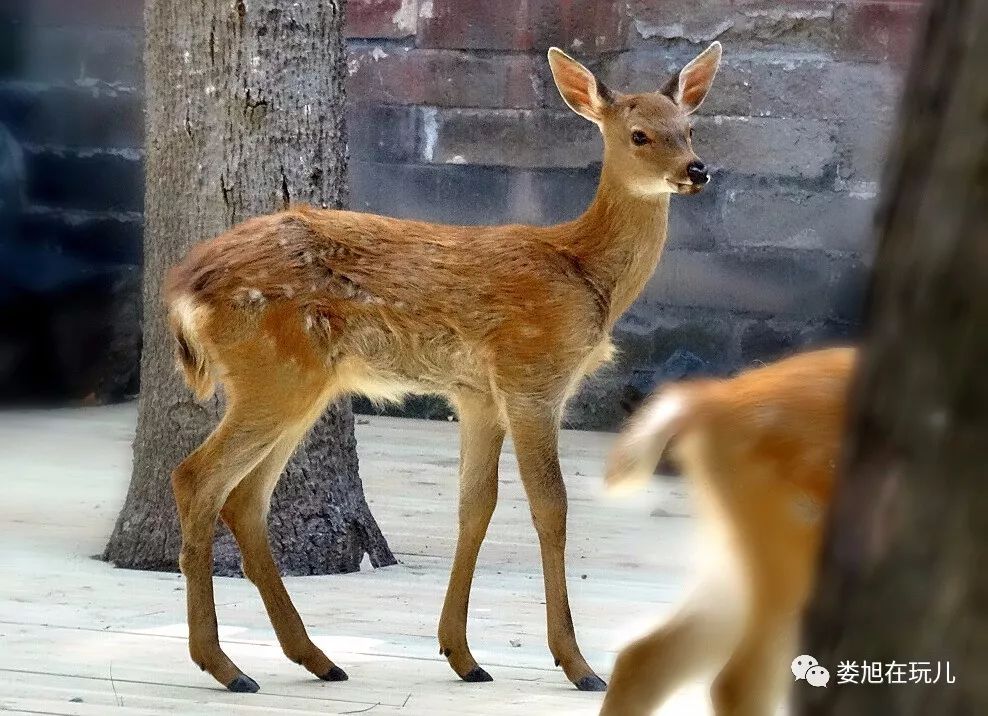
(904, 575)
(244, 114)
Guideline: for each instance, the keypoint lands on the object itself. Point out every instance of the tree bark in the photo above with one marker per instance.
(904, 575)
(245, 107)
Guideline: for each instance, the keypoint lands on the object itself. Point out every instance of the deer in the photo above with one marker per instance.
(760, 451)
(295, 309)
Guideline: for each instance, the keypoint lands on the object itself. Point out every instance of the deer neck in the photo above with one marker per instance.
(619, 240)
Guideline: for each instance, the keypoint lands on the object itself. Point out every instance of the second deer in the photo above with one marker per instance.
(761, 451)
(294, 310)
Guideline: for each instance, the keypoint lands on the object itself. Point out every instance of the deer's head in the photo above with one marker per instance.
(647, 137)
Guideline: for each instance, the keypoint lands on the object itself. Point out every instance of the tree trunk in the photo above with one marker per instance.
(904, 576)
(244, 114)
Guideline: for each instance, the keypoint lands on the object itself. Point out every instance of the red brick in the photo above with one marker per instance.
(881, 31)
(381, 18)
(588, 26)
(445, 78)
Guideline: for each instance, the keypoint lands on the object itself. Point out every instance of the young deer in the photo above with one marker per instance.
(296, 309)
(761, 450)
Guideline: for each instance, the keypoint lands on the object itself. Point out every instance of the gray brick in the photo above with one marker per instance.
(517, 138)
(100, 181)
(755, 84)
(101, 237)
(383, 133)
(97, 116)
(775, 282)
(650, 333)
(451, 193)
(864, 144)
(695, 221)
(797, 219)
(801, 148)
(766, 340)
(741, 23)
(67, 54)
(858, 88)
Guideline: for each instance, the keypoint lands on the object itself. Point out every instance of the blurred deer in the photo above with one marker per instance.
(761, 451)
(293, 310)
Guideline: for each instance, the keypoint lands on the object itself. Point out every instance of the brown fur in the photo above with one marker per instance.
(295, 309)
(760, 450)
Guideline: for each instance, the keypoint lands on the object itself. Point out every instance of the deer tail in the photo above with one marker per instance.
(190, 354)
(642, 442)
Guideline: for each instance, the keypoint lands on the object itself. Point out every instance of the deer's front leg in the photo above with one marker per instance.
(535, 432)
(481, 437)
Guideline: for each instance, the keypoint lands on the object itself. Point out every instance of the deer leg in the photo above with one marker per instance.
(245, 513)
(535, 432)
(648, 670)
(201, 484)
(752, 681)
(481, 437)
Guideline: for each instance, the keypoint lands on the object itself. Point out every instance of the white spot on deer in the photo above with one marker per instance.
(309, 322)
(288, 291)
(806, 509)
(766, 415)
(255, 295)
(348, 289)
(307, 258)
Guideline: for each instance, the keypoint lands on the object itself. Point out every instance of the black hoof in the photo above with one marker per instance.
(243, 684)
(477, 675)
(335, 674)
(591, 683)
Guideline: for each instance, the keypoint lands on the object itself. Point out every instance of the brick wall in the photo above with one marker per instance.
(454, 117)
(71, 111)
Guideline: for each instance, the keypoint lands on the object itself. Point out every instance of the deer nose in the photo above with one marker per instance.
(697, 173)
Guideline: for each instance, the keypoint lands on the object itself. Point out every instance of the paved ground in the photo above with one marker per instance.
(78, 637)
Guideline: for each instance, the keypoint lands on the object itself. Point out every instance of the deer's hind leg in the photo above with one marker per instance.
(245, 513)
(201, 484)
(271, 403)
(650, 669)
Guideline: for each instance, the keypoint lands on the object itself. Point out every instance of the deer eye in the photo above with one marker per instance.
(639, 138)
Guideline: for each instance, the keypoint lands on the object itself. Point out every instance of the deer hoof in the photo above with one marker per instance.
(477, 675)
(591, 683)
(243, 684)
(335, 674)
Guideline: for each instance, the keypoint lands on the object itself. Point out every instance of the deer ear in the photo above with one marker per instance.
(581, 90)
(690, 86)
